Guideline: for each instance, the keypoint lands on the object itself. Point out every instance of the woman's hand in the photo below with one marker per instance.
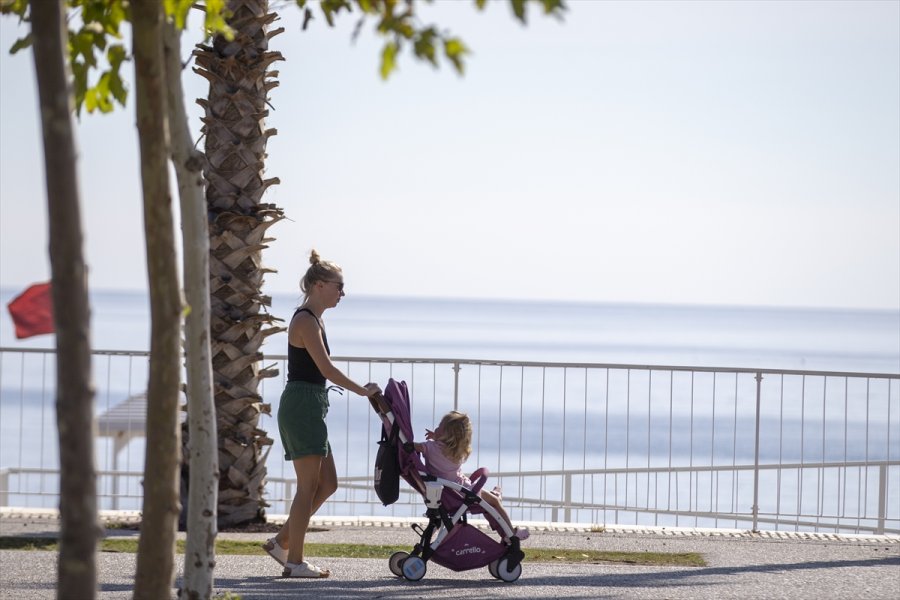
(372, 389)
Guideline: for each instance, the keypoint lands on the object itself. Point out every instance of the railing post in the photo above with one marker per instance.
(755, 508)
(456, 386)
(288, 497)
(882, 498)
(567, 497)
(4, 487)
(119, 442)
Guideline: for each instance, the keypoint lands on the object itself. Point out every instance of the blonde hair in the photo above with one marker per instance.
(319, 270)
(455, 433)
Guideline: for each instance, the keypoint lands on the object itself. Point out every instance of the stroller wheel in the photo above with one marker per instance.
(505, 574)
(492, 569)
(395, 562)
(413, 568)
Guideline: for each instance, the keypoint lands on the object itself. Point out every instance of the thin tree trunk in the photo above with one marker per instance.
(202, 446)
(156, 549)
(79, 527)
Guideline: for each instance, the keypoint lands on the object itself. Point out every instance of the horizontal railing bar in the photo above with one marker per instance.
(507, 363)
(37, 471)
(53, 351)
(611, 366)
(554, 473)
(696, 468)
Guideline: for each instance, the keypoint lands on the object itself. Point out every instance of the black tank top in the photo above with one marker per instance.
(300, 364)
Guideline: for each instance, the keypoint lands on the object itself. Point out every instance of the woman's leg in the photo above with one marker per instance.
(326, 486)
(328, 482)
(307, 469)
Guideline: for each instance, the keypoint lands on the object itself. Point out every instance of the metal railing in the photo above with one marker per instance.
(590, 443)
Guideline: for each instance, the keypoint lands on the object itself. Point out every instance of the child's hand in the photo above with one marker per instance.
(429, 434)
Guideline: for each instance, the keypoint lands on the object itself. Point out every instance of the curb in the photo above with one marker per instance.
(133, 516)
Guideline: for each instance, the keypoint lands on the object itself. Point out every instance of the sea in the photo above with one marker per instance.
(618, 334)
(552, 331)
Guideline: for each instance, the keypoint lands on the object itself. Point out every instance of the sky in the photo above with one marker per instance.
(736, 153)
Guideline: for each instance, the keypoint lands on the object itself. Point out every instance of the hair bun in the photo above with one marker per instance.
(314, 258)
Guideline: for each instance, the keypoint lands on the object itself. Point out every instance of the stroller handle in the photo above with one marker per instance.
(381, 406)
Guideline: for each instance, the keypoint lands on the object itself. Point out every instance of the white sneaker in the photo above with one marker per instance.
(275, 550)
(304, 569)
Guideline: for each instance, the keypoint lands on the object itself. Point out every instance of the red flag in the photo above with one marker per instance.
(32, 311)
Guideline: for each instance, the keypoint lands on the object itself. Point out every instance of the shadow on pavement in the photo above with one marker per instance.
(258, 588)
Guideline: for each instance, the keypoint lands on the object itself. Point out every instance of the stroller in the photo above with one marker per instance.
(448, 539)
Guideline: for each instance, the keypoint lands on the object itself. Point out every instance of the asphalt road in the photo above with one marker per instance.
(739, 566)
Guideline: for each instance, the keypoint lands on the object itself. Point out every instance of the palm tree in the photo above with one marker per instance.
(239, 83)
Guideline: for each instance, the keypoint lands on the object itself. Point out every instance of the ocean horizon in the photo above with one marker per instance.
(777, 338)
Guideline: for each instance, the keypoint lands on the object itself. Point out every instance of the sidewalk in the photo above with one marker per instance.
(740, 565)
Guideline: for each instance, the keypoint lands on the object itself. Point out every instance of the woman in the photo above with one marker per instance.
(301, 414)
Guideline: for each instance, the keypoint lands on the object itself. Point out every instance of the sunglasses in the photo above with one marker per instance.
(339, 284)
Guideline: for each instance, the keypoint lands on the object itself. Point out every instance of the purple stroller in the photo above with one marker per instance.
(448, 539)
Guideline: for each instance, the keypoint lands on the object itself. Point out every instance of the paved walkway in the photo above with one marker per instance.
(740, 565)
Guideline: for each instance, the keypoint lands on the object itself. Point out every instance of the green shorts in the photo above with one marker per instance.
(301, 420)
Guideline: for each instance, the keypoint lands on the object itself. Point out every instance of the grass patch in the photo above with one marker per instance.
(122, 525)
(665, 559)
(28, 543)
(244, 548)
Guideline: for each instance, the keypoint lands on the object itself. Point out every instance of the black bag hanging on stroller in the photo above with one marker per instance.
(387, 467)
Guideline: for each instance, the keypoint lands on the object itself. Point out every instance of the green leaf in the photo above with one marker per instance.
(83, 44)
(423, 47)
(328, 18)
(21, 44)
(389, 59)
(480, 4)
(518, 7)
(104, 103)
(79, 84)
(117, 88)
(90, 100)
(330, 8)
(115, 16)
(455, 50)
(553, 6)
(214, 22)
(178, 10)
(115, 56)
(15, 7)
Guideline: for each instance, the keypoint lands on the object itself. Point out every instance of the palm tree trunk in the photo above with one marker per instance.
(79, 527)
(201, 440)
(239, 82)
(156, 549)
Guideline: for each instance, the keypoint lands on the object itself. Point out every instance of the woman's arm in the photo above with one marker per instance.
(304, 332)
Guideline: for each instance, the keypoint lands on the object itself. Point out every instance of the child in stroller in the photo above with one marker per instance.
(447, 448)
(448, 539)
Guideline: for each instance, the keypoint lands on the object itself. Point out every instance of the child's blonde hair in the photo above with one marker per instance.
(455, 433)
